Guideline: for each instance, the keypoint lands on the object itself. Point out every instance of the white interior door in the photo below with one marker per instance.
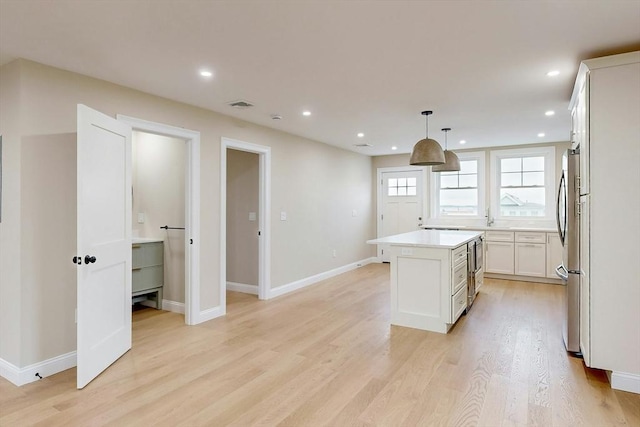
(402, 205)
(104, 242)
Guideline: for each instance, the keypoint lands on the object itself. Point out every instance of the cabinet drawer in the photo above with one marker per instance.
(528, 237)
(147, 254)
(458, 304)
(499, 236)
(459, 277)
(147, 278)
(459, 255)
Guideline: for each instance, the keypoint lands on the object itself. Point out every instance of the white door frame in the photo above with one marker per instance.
(264, 216)
(425, 176)
(192, 209)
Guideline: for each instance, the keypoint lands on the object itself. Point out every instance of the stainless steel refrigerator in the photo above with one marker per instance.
(568, 220)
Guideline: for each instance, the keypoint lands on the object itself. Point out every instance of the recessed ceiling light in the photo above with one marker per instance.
(394, 148)
(360, 135)
(553, 73)
(549, 113)
(306, 113)
(205, 73)
(541, 135)
(463, 142)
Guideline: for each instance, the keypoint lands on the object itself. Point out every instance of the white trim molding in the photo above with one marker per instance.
(211, 313)
(242, 287)
(624, 381)
(26, 375)
(173, 306)
(307, 281)
(192, 208)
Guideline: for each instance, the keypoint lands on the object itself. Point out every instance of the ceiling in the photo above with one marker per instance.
(357, 66)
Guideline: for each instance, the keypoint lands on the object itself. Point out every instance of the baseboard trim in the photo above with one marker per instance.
(242, 287)
(624, 381)
(26, 375)
(299, 284)
(210, 313)
(173, 306)
(546, 280)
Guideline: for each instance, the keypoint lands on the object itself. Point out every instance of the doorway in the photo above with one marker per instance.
(262, 215)
(190, 236)
(400, 203)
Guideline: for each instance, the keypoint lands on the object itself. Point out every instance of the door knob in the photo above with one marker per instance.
(77, 260)
(89, 259)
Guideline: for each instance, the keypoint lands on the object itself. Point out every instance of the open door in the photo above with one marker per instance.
(104, 242)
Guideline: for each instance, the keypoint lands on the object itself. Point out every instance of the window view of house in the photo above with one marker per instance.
(522, 186)
(458, 191)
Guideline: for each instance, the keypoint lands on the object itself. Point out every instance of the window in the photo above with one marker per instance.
(460, 194)
(523, 183)
(402, 187)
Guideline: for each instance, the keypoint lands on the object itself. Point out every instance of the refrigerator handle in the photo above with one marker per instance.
(563, 275)
(560, 233)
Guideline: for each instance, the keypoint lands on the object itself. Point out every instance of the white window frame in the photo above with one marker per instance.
(435, 187)
(549, 154)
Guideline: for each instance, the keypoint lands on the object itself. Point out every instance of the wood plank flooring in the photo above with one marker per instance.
(326, 355)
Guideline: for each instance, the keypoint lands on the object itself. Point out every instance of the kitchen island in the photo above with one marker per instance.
(428, 277)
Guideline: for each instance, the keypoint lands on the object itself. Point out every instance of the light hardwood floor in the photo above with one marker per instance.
(326, 355)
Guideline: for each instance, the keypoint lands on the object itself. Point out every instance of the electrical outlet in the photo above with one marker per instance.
(334, 253)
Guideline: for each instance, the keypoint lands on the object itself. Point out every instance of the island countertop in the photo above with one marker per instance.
(448, 239)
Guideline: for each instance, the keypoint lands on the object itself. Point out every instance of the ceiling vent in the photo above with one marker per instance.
(240, 104)
(362, 145)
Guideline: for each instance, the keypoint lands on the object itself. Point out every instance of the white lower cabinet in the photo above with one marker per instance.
(530, 259)
(499, 257)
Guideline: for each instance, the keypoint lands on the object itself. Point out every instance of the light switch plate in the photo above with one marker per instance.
(283, 216)
(140, 218)
(407, 251)
(354, 213)
(252, 216)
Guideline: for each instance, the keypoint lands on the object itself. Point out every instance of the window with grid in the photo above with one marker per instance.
(523, 183)
(402, 187)
(522, 186)
(459, 193)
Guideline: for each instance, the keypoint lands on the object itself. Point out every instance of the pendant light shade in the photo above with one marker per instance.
(451, 161)
(427, 152)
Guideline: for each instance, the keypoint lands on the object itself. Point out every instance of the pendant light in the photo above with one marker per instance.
(451, 161)
(427, 152)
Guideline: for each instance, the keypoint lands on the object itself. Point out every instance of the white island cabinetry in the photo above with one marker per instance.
(428, 278)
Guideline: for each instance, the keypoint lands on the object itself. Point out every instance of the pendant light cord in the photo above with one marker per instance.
(427, 126)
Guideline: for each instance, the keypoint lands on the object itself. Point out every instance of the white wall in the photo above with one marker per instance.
(318, 185)
(242, 234)
(10, 262)
(158, 179)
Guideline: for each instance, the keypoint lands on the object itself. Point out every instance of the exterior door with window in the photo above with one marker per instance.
(402, 205)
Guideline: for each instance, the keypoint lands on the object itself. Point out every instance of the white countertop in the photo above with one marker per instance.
(447, 239)
(491, 228)
(136, 240)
